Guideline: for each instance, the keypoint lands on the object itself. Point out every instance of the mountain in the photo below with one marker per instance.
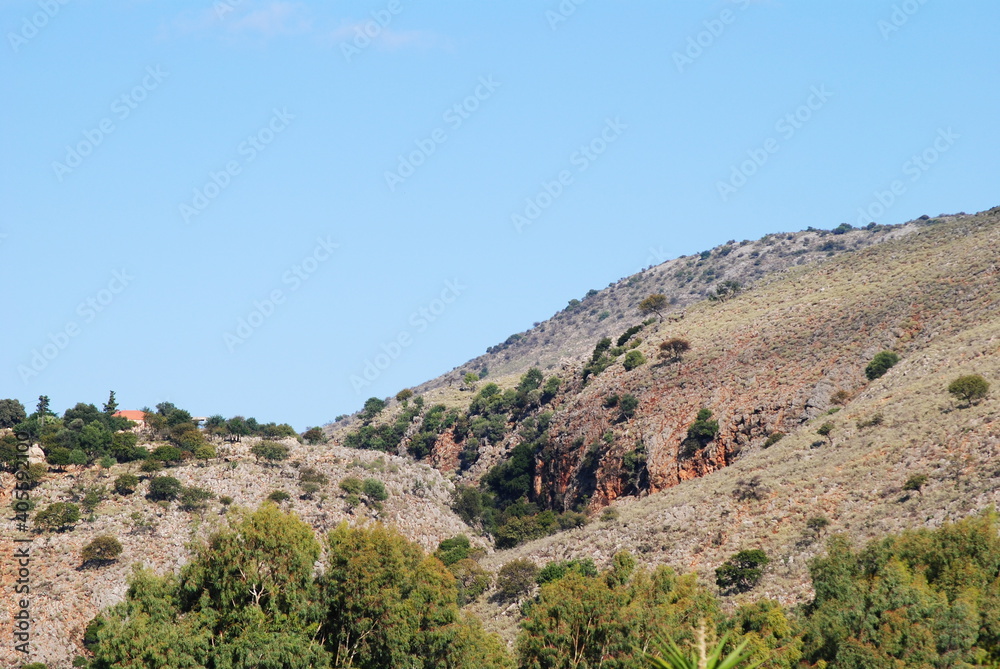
(765, 433)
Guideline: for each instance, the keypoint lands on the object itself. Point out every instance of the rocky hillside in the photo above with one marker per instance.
(765, 433)
(158, 535)
(802, 433)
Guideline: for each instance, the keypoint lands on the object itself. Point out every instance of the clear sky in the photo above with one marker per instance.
(235, 205)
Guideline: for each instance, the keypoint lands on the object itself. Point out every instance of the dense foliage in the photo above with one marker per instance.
(252, 598)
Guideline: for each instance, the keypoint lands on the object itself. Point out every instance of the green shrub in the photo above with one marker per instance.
(352, 485)
(880, 364)
(193, 498)
(773, 439)
(817, 523)
(701, 432)
(554, 571)
(271, 451)
(102, 549)
(58, 516)
(375, 490)
(278, 496)
(516, 579)
(472, 580)
(609, 514)
(166, 453)
(970, 388)
(150, 466)
(164, 488)
(825, 429)
(628, 405)
(915, 483)
(633, 359)
(742, 571)
(453, 550)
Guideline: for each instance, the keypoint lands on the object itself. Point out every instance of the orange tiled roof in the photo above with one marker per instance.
(132, 415)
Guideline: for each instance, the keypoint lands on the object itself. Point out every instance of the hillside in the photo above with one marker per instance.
(564, 448)
(787, 355)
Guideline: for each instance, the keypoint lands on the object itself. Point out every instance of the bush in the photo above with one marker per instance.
(702, 431)
(609, 514)
(314, 435)
(271, 451)
(633, 359)
(880, 364)
(164, 488)
(750, 489)
(825, 429)
(352, 485)
(970, 388)
(674, 349)
(375, 490)
(58, 516)
(915, 483)
(150, 466)
(194, 498)
(742, 571)
(817, 523)
(278, 496)
(773, 439)
(472, 580)
(453, 550)
(516, 579)
(554, 571)
(166, 453)
(627, 406)
(102, 549)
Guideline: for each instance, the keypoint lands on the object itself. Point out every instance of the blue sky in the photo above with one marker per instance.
(234, 205)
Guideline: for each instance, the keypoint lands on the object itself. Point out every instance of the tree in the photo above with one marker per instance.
(470, 380)
(627, 406)
(921, 598)
(742, 571)
(237, 428)
(58, 516)
(880, 364)
(164, 488)
(126, 484)
(674, 349)
(403, 396)
(271, 451)
(194, 498)
(101, 550)
(701, 433)
(516, 579)
(915, 483)
(374, 490)
(372, 408)
(111, 406)
(655, 303)
(726, 290)
(633, 359)
(11, 413)
(314, 435)
(970, 388)
(42, 409)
